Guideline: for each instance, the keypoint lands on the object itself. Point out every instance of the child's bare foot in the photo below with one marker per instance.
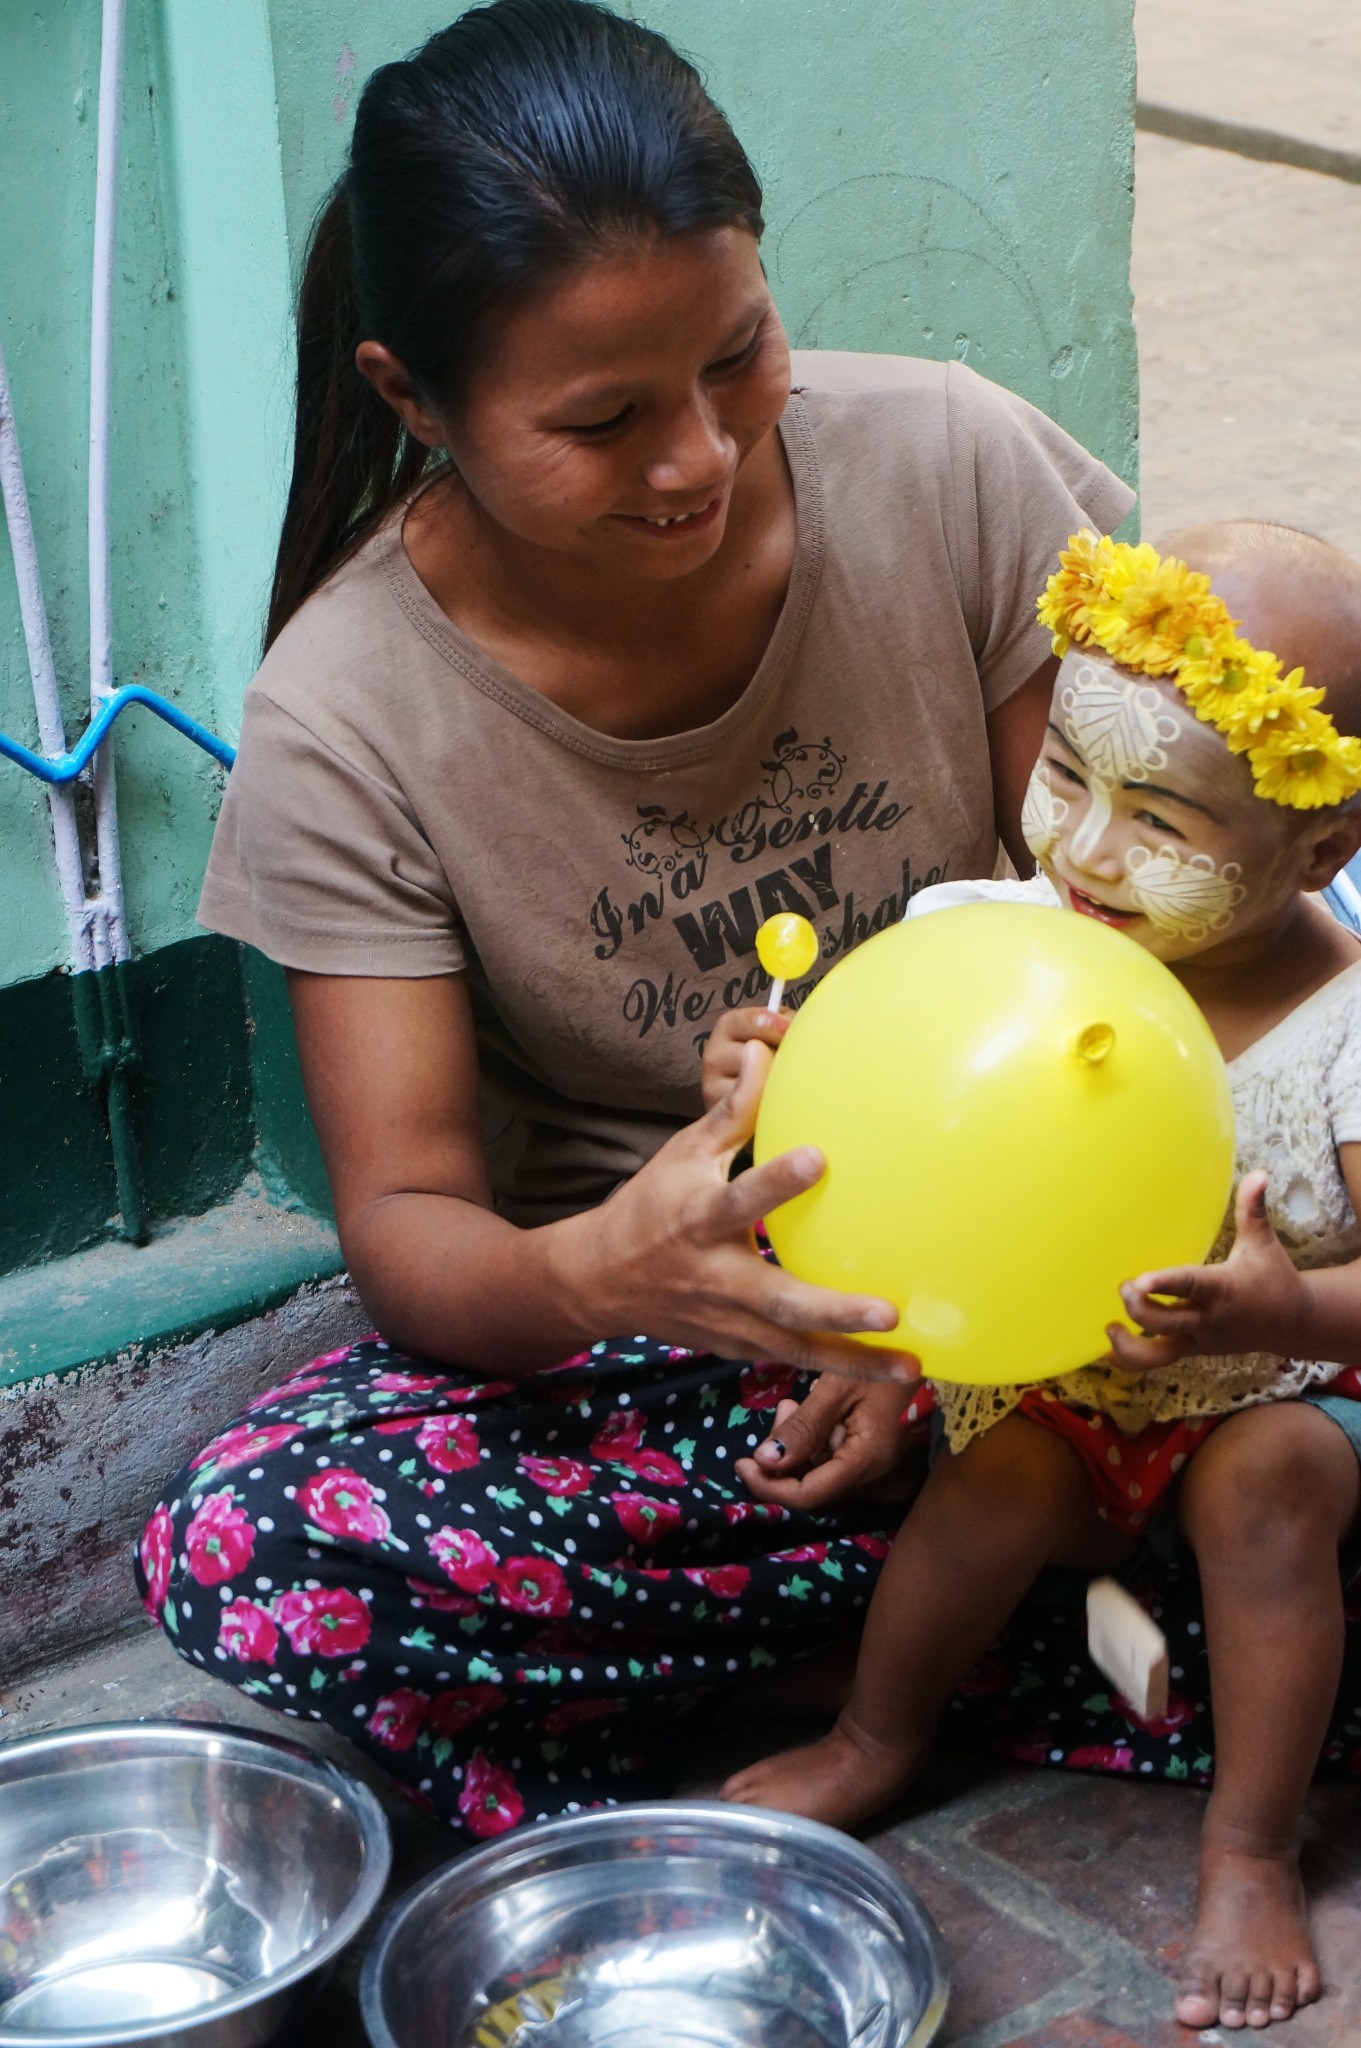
(1251, 1958)
(842, 1780)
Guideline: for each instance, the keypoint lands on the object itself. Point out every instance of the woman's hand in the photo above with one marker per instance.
(1256, 1300)
(671, 1253)
(723, 1048)
(842, 1438)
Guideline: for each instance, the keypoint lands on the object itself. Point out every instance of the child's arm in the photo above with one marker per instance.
(1257, 1300)
(723, 1047)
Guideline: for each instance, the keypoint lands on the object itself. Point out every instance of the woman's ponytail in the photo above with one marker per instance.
(352, 457)
(525, 138)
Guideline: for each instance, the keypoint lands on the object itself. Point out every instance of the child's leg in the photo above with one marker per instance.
(983, 1526)
(1265, 1503)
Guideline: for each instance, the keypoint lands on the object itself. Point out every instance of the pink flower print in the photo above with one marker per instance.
(560, 1476)
(344, 1504)
(220, 1540)
(1179, 1712)
(645, 1521)
(577, 1360)
(247, 1632)
(658, 1466)
(400, 1425)
(1100, 1756)
(623, 1431)
(735, 1512)
(802, 1553)
(490, 1803)
(157, 1550)
(243, 1443)
(407, 1382)
(1028, 1752)
(397, 1718)
(571, 1714)
(724, 1581)
(873, 1546)
(464, 1558)
(990, 1676)
(319, 1623)
(327, 1358)
(449, 1443)
(451, 1712)
(439, 1599)
(765, 1386)
(563, 1639)
(291, 1390)
(533, 1585)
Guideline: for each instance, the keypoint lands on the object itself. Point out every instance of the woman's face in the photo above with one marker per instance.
(1142, 818)
(613, 411)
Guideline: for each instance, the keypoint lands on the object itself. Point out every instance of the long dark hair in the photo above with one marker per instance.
(523, 138)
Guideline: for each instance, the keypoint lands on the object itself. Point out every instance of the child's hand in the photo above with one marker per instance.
(1255, 1301)
(723, 1052)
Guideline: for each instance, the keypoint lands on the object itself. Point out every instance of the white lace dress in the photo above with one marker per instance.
(1296, 1098)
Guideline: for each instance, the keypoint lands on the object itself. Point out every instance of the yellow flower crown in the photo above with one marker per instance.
(1153, 614)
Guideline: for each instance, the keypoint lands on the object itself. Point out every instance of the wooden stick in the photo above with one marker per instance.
(1128, 1648)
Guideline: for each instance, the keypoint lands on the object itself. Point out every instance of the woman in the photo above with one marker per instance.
(545, 728)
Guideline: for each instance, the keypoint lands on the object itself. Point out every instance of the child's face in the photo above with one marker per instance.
(1142, 818)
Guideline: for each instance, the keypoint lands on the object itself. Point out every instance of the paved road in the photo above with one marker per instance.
(1247, 276)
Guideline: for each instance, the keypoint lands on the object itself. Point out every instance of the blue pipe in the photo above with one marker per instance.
(67, 766)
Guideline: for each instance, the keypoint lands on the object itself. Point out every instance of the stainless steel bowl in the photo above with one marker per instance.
(692, 1925)
(174, 1885)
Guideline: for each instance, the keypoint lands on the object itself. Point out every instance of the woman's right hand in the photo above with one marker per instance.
(671, 1254)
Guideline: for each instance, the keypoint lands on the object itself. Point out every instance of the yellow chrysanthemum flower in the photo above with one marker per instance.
(1160, 618)
(1310, 767)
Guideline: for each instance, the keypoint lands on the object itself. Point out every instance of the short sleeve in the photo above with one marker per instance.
(1021, 487)
(319, 863)
(1344, 1079)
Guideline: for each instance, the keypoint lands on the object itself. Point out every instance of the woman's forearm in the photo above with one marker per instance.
(450, 1280)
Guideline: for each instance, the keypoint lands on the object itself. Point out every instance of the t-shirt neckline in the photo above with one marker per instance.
(669, 750)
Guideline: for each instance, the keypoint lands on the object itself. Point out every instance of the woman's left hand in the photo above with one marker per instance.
(845, 1436)
(1256, 1300)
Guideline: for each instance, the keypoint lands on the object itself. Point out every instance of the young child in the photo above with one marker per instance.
(1192, 796)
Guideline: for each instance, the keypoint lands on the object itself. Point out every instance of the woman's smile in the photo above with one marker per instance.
(675, 525)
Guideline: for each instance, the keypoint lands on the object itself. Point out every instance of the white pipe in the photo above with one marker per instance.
(42, 669)
(110, 912)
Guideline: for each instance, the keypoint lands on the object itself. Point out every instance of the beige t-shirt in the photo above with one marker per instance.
(402, 805)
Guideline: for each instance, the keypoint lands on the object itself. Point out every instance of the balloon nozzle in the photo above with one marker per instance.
(1095, 1043)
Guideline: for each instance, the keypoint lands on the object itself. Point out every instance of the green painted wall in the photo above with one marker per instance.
(941, 180)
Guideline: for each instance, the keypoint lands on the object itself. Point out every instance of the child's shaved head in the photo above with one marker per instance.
(1294, 595)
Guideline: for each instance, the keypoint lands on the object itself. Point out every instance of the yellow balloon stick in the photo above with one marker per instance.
(786, 946)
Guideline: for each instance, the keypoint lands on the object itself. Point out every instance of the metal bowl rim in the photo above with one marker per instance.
(463, 1873)
(169, 1738)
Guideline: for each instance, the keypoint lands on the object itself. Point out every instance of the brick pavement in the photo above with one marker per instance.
(1064, 1901)
(1247, 276)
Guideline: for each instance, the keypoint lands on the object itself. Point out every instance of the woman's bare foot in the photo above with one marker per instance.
(1251, 1958)
(842, 1780)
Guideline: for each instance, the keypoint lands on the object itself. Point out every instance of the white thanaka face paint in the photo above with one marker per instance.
(1122, 729)
(1179, 862)
(1188, 898)
(1042, 814)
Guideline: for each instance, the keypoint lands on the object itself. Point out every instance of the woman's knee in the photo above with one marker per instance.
(1272, 1481)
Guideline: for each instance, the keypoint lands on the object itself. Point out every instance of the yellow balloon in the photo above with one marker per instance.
(1019, 1109)
(786, 945)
